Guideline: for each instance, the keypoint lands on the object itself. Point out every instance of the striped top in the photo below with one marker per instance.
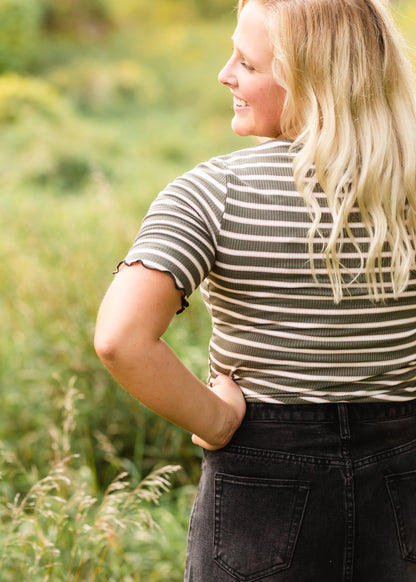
(237, 225)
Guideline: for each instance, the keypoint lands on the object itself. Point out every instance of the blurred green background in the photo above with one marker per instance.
(102, 103)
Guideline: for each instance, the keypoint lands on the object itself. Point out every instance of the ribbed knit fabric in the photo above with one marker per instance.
(237, 226)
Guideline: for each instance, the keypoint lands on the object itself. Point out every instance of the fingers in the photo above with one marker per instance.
(223, 379)
(230, 393)
(204, 444)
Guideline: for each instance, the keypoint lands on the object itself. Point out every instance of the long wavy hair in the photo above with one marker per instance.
(351, 110)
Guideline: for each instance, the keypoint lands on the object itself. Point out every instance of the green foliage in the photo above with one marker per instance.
(85, 17)
(110, 113)
(20, 23)
(94, 18)
(108, 86)
(163, 11)
(21, 96)
(60, 252)
(61, 530)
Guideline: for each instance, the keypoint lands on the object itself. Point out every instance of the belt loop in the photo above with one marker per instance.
(344, 426)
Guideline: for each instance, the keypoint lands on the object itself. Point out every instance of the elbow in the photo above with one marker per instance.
(111, 345)
(118, 351)
(106, 348)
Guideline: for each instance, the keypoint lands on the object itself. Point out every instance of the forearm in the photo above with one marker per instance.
(134, 314)
(155, 376)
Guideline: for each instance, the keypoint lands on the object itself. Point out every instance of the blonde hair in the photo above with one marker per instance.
(351, 110)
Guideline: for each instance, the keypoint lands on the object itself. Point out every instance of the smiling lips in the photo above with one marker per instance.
(239, 102)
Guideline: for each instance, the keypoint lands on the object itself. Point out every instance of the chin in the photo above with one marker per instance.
(241, 130)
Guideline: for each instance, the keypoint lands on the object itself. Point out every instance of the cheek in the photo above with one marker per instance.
(269, 97)
(274, 102)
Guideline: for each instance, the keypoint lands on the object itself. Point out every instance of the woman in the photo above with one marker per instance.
(304, 246)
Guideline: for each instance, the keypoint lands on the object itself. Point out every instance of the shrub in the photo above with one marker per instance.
(103, 87)
(61, 530)
(20, 23)
(85, 17)
(167, 10)
(21, 96)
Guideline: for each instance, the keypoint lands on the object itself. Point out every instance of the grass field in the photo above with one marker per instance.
(89, 136)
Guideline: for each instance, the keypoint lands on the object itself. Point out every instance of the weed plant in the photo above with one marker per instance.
(76, 501)
(79, 168)
(61, 530)
(75, 187)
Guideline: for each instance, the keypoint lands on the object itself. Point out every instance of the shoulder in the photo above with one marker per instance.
(209, 181)
(270, 151)
(270, 161)
(217, 170)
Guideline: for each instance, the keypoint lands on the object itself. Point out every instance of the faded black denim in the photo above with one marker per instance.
(309, 493)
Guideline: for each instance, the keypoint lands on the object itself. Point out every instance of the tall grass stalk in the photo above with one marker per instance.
(59, 531)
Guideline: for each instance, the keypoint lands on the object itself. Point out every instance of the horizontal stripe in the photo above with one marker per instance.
(237, 226)
(296, 284)
(250, 268)
(214, 284)
(294, 257)
(313, 351)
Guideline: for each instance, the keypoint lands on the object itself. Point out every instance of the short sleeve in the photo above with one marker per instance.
(179, 233)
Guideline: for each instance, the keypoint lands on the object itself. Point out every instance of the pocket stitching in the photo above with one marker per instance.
(393, 493)
(301, 490)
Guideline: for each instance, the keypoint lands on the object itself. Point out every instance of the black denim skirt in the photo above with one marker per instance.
(309, 493)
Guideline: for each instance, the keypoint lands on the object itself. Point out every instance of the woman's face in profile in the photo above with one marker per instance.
(258, 98)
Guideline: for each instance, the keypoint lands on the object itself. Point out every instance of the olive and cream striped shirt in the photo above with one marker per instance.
(237, 226)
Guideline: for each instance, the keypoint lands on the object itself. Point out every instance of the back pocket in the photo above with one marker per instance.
(402, 491)
(257, 523)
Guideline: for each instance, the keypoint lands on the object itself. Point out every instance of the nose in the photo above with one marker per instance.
(226, 76)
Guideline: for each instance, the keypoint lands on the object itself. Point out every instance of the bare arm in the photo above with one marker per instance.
(136, 310)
